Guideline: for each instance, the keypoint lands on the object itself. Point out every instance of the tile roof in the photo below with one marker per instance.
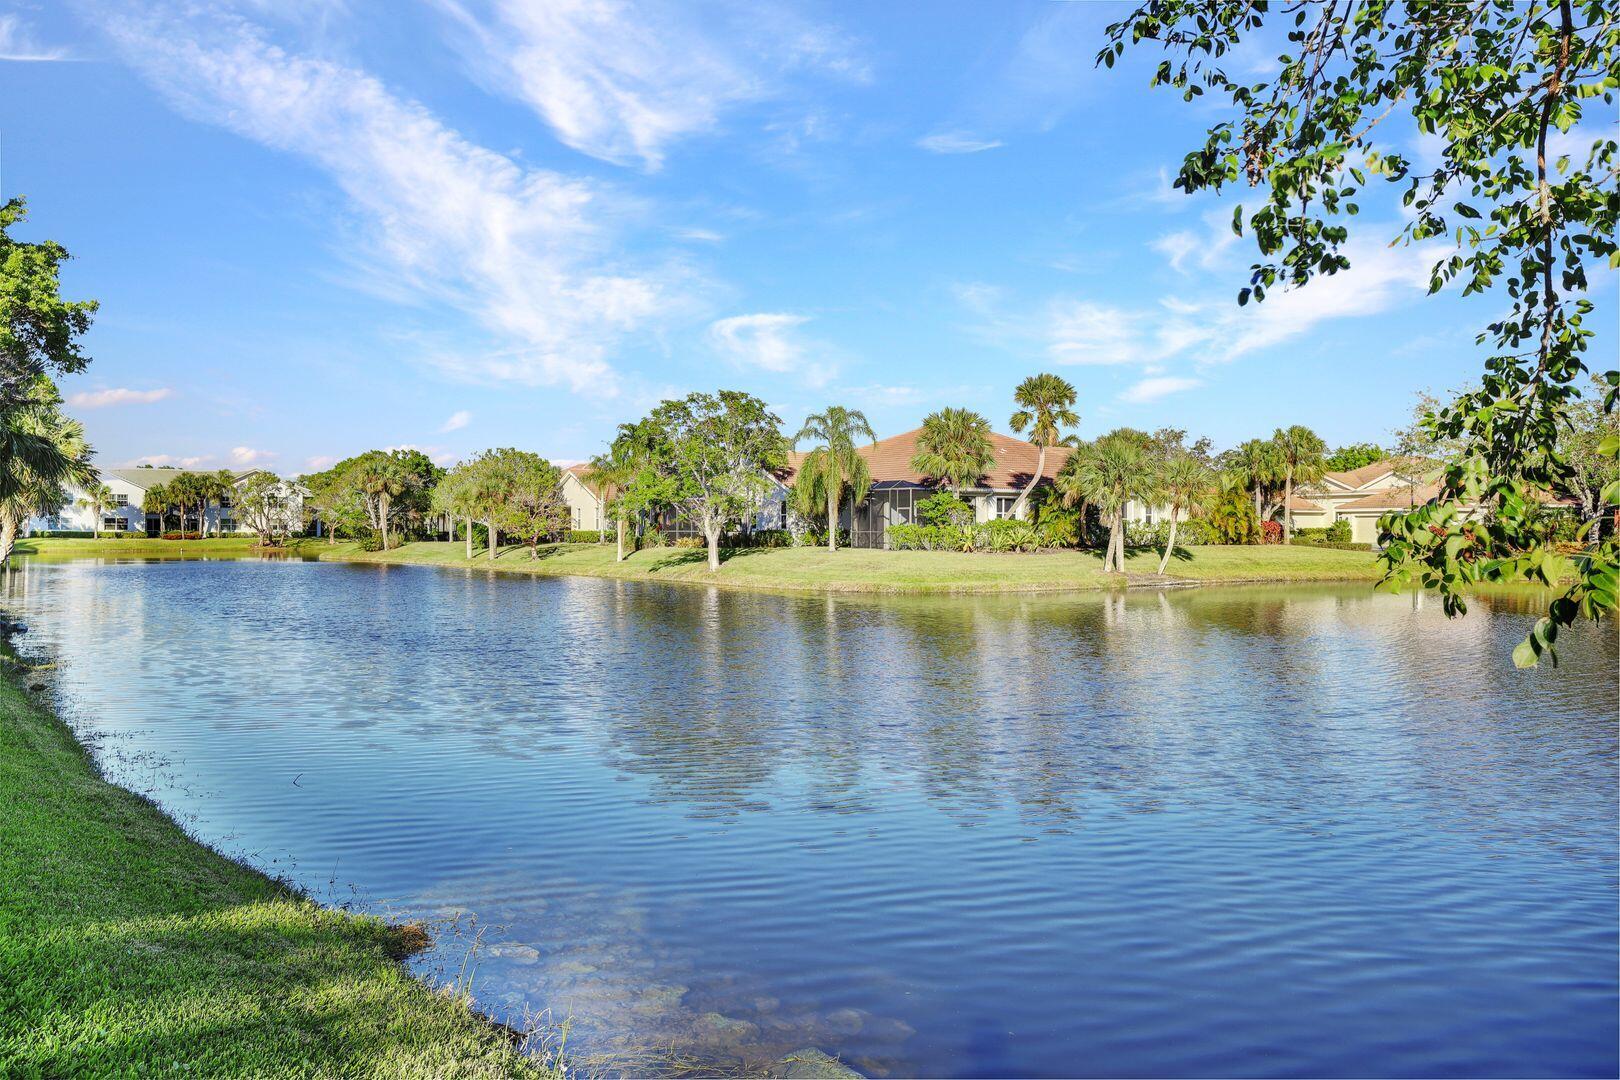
(890, 461)
(1300, 502)
(1406, 495)
(146, 479)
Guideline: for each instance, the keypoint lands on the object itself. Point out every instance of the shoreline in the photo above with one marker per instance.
(132, 945)
(802, 571)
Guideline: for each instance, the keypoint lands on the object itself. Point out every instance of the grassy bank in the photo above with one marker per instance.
(138, 547)
(127, 948)
(861, 570)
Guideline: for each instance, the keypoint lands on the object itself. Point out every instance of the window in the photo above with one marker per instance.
(1004, 506)
(120, 501)
(1147, 515)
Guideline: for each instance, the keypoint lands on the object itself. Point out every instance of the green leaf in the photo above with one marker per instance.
(1524, 655)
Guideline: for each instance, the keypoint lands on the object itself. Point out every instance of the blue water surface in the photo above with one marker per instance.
(1260, 831)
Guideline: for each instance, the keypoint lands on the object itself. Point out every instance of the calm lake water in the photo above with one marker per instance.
(1216, 832)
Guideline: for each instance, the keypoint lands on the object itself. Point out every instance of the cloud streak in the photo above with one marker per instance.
(457, 421)
(528, 253)
(956, 142)
(623, 82)
(18, 46)
(119, 395)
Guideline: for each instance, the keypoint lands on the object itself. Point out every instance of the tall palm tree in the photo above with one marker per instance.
(954, 448)
(1108, 473)
(384, 481)
(1258, 466)
(1302, 453)
(220, 487)
(97, 499)
(1185, 483)
(1045, 406)
(452, 498)
(42, 452)
(157, 500)
(836, 465)
(614, 472)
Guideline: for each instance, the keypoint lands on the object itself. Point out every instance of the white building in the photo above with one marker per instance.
(125, 514)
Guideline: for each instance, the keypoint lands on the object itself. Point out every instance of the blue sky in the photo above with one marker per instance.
(320, 227)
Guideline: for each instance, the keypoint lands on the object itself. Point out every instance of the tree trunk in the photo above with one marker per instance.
(619, 554)
(489, 523)
(382, 515)
(1288, 510)
(1170, 541)
(832, 518)
(712, 534)
(1023, 496)
(469, 538)
(1114, 562)
(8, 539)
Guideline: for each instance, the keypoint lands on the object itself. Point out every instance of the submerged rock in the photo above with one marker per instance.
(517, 954)
(812, 1064)
(714, 1027)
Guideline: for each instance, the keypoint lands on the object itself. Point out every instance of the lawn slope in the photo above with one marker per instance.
(865, 570)
(127, 948)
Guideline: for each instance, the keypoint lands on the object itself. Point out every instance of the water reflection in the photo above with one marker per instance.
(1259, 831)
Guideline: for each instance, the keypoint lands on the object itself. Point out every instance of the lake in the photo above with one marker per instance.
(1243, 831)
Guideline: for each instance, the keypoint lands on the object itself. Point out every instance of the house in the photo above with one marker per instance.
(586, 506)
(125, 514)
(897, 488)
(1362, 496)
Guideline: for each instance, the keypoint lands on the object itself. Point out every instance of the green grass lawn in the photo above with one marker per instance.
(137, 547)
(863, 570)
(127, 948)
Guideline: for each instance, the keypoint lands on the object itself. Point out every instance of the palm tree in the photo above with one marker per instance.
(954, 448)
(42, 452)
(834, 465)
(220, 486)
(157, 500)
(97, 499)
(1108, 473)
(1185, 483)
(1257, 465)
(452, 498)
(614, 472)
(384, 481)
(1046, 407)
(1301, 452)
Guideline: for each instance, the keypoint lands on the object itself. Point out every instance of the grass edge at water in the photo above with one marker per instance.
(126, 945)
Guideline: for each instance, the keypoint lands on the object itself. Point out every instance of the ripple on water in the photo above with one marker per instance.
(1244, 831)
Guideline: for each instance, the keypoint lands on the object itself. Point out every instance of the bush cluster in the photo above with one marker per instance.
(182, 536)
(1002, 535)
(1191, 533)
(585, 536)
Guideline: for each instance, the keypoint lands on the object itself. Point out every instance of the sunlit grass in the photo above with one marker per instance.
(864, 570)
(127, 948)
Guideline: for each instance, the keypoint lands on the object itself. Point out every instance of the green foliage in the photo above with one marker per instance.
(945, 508)
(1354, 456)
(710, 454)
(39, 330)
(381, 491)
(1494, 83)
(954, 448)
(1338, 533)
(835, 469)
(1008, 534)
(1231, 518)
(42, 452)
(584, 536)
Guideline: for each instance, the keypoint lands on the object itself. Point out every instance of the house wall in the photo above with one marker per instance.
(585, 510)
(70, 517)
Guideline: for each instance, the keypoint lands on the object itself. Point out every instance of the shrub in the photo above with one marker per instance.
(1271, 532)
(1059, 530)
(1338, 532)
(818, 538)
(1194, 533)
(689, 542)
(371, 542)
(1005, 534)
(924, 537)
(1231, 519)
(180, 536)
(943, 508)
(584, 536)
(761, 538)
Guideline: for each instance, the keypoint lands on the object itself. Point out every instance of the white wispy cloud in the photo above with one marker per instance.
(1083, 332)
(458, 420)
(164, 461)
(1156, 387)
(247, 455)
(956, 142)
(621, 82)
(319, 462)
(18, 45)
(767, 341)
(118, 395)
(1205, 249)
(530, 254)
